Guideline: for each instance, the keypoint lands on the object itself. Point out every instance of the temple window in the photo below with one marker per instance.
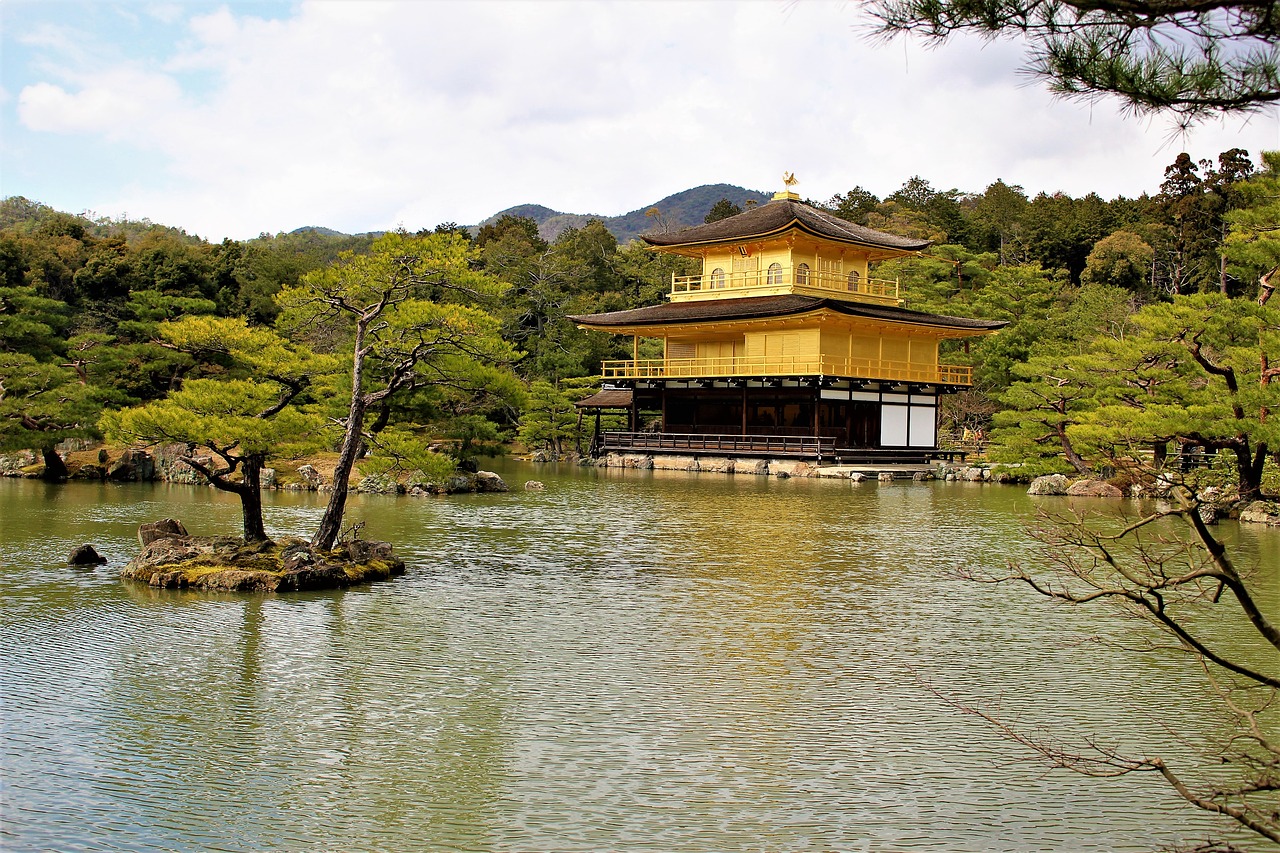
(802, 274)
(775, 273)
(854, 278)
(717, 278)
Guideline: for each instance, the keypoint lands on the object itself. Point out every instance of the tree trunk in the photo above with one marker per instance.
(250, 491)
(1160, 454)
(352, 440)
(1068, 451)
(1074, 458)
(1265, 287)
(1249, 470)
(352, 444)
(55, 470)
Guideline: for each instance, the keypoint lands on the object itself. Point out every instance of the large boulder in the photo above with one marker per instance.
(183, 473)
(1050, 484)
(311, 478)
(487, 481)
(169, 466)
(133, 466)
(379, 484)
(791, 468)
(165, 528)
(1093, 489)
(457, 483)
(1261, 512)
(14, 464)
(85, 555)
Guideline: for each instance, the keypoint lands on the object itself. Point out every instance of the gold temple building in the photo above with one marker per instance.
(784, 346)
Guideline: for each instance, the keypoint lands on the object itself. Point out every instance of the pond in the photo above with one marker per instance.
(624, 661)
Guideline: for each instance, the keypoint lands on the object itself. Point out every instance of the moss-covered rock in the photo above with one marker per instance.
(225, 563)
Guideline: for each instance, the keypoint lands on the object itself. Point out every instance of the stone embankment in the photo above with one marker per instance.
(1215, 502)
(784, 468)
(173, 559)
(164, 463)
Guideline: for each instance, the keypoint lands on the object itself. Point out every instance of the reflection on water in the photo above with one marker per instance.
(626, 661)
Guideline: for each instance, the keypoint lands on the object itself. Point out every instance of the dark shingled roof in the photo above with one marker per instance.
(756, 307)
(609, 398)
(776, 217)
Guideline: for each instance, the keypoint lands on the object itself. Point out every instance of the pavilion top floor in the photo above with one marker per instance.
(781, 248)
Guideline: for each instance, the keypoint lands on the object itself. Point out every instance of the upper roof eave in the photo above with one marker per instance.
(794, 224)
(776, 218)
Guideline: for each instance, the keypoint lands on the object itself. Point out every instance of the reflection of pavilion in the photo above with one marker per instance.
(784, 346)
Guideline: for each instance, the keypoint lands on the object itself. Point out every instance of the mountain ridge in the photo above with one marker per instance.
(678, 210)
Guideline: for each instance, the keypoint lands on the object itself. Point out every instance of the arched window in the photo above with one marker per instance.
(775, 273)
(717, 278)
(802, 274)
(854, 279)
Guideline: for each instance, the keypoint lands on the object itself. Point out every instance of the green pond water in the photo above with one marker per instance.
(624, 661)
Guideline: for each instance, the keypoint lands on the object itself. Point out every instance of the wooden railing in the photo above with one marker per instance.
(718, 443)
(876, 289)
(743, 366)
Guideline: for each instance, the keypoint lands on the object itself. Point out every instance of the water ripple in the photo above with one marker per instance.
(626, 661)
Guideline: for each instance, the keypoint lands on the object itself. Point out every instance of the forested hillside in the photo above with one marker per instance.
(1122, 311)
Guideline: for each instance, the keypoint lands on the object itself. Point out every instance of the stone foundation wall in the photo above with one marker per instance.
(782, 468)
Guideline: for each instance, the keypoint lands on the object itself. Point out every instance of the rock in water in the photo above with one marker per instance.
(165, 528)
(1261, 512)
(1094, 489)
(487, 481)
(85, 555)
(1050, 484)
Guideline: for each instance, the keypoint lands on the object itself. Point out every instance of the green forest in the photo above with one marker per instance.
(1136, 327)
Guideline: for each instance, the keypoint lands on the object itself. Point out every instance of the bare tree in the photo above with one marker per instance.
(1184, 586)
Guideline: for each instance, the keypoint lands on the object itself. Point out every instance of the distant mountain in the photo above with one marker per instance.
(680, 210)
(318, 230)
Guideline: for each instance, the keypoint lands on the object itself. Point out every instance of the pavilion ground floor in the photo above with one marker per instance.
(826, 419)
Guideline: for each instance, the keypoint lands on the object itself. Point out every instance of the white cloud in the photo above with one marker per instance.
(120, 103)
(362, 115)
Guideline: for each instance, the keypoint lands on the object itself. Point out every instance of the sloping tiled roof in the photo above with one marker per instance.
(609, 398)
(757, 307)
(777, 216)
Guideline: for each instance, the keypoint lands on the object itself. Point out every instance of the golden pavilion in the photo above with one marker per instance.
(785, 345)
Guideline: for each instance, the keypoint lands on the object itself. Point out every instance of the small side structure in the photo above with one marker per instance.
(783, 347)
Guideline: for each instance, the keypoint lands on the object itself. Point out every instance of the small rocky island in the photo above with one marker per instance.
(173, 559)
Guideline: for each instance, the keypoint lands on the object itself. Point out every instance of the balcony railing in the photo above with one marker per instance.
(742, 366)
(876, 289)
(803, 446)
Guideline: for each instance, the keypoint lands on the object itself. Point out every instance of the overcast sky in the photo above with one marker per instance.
(231, 119)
